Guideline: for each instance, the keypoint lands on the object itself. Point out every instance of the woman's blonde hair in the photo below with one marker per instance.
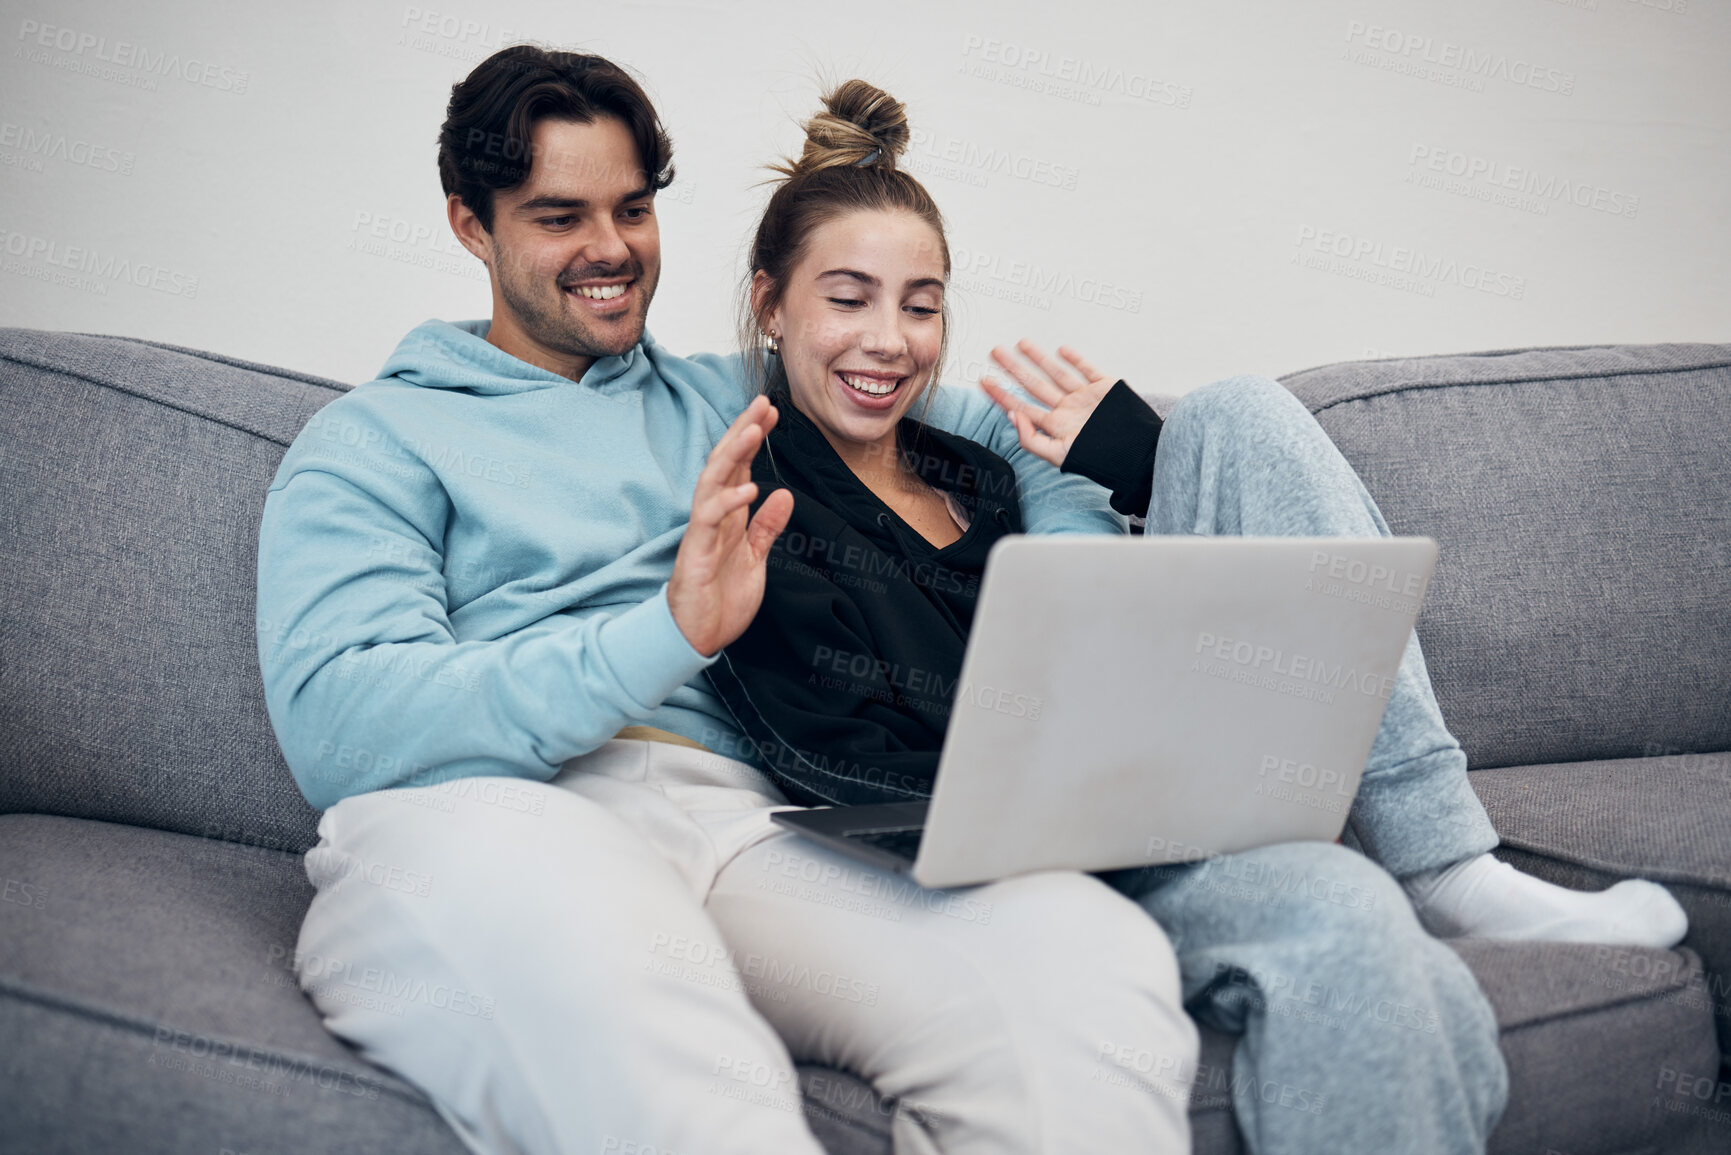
(848, 165)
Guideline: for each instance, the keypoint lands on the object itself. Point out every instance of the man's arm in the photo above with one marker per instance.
(368, 687)
(366, 683)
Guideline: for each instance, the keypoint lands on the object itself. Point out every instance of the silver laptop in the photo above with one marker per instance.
(1126, 701)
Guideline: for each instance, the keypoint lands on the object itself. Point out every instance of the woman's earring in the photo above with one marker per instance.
(774, 344)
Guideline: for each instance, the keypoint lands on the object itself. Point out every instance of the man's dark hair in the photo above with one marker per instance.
(485, 144)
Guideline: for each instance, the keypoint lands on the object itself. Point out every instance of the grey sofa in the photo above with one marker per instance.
(151, 886)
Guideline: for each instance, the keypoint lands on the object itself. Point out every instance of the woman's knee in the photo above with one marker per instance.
(1312, 888)
(1242, 405)
(1233, 398)
(1334, 911)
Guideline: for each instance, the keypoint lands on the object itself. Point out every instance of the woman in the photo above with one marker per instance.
(1360, 1030)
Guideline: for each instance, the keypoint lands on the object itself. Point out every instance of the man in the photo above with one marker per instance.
(489, 583)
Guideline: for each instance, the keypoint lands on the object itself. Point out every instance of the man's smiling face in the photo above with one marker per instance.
(574, 252)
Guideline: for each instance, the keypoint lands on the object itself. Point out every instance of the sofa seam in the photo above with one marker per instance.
(1480, 353)
(1418, 386)
(130, 825)
(89, 380)
(1477, 355)
(1595, 1009)
(117, 1020)
(220, 359)
(1656, 873)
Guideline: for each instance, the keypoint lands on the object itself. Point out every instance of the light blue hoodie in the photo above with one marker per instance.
(462, 566)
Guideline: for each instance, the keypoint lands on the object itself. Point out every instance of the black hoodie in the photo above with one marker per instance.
(844, 680)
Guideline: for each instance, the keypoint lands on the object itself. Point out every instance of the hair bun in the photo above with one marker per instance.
(861, 125)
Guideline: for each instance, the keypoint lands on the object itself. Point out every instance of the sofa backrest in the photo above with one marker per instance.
(132, 480)
(1581, 498)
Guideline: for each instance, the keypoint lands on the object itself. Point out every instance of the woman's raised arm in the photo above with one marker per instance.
(1085, 422)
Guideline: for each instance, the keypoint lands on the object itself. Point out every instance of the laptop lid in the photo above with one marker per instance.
(1133, 700)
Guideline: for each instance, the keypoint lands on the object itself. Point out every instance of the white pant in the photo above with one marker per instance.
(622, 960)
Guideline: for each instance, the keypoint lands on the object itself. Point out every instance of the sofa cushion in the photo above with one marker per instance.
(150, 972)
(132, 480)
(1583, 509)
(145, 970)
(1610, 1054)
(1662, 818)
(1606, 1050)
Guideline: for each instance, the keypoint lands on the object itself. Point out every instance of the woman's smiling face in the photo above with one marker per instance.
(860, 324)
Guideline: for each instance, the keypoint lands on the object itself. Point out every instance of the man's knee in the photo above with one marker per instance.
(1064, 923)
(1072, 976)
(475, 836)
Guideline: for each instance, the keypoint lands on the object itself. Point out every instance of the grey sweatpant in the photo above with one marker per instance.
(1360, 1031)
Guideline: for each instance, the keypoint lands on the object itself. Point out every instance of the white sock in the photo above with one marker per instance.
(1481, 897)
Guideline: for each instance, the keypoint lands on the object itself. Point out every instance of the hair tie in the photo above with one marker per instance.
(872, 156)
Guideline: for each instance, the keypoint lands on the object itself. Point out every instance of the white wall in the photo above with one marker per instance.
(1184, 191)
